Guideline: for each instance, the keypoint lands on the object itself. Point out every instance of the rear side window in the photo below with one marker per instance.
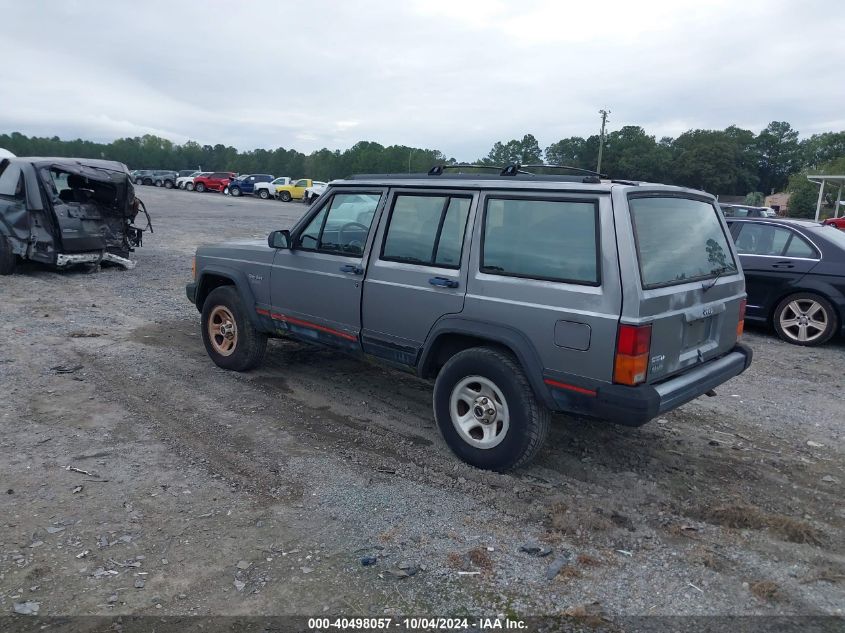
(678, 240)
(427, 230)
(555, 240)
(772, 241)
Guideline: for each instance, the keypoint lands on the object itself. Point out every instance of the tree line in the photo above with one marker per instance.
(733, 161)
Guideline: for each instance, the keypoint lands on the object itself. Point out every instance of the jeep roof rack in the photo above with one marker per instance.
(510, 171)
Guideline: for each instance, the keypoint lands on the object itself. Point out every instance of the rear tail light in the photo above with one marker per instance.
(740, 327)
(194, 268)
(632, 350)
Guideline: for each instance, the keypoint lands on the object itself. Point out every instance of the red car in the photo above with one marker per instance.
(215, 181)
(839, 223)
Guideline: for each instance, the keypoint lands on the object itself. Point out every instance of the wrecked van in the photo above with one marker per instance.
(67, 211)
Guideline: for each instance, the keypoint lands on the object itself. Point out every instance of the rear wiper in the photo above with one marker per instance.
(719, 272)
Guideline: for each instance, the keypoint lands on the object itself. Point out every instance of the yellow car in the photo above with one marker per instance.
(293, 191)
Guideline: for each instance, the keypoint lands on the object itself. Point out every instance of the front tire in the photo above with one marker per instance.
(285, 196)
(263, 194)
(168, 184)
(487, 411)
(805, 319)
(189, 186)
(235, 191)
(199, 187)
(8, 259)
(230, 337)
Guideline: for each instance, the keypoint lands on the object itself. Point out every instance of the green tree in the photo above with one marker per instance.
(755, 198)
(804, 195)
(780, 155)
(632, 154)
(822, 148)
(526, 152)
(717, 161)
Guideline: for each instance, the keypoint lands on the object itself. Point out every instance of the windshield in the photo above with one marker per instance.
(679, 240)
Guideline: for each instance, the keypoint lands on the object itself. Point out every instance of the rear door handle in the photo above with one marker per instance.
(443, 282)
(352, 268)
(783, 265)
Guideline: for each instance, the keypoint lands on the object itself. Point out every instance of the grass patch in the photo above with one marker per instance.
(765, 590)
(752, 518)
(480, 557)
(585, 560)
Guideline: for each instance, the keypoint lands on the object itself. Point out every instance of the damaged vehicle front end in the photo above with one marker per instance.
(68, 211)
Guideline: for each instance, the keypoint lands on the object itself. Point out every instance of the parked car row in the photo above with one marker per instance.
(265, 186)
(157, 177)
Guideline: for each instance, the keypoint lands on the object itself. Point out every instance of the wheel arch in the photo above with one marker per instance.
(451, 335)
(213, 277)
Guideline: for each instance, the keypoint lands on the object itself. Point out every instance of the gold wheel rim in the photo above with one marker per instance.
(222, 331)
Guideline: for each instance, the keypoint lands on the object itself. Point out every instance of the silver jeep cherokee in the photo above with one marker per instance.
(519, 294)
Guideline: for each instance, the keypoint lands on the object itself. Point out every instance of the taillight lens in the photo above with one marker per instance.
(193, 268)
(632, 350)
(740, 326)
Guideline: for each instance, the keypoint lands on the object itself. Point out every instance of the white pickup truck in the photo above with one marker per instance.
(267, 190)
(314, 191)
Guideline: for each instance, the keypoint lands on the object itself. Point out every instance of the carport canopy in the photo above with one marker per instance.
(821, 181)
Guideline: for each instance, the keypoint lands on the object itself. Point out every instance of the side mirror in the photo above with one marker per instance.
(279, 239)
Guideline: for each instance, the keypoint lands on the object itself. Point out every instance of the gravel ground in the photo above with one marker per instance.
(210, 492)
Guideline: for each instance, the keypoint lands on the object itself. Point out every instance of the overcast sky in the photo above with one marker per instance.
(454, 76)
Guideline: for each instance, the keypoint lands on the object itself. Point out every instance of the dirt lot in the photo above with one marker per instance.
(209, 492)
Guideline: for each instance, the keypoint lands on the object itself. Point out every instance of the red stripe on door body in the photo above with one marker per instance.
(313, 326)
(563, 385)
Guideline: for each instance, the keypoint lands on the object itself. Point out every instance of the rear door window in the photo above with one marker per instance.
(554, 240)
(772, 241)
(427, 230)
(678, 240)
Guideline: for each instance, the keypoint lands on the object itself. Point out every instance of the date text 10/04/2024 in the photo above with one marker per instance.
(415, 624)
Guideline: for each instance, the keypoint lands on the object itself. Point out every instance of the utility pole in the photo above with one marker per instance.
(603, 114)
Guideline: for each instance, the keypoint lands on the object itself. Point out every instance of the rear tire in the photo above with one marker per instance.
(487, 411)
(805, 319)
(8, 260)
(263, 194)
(230, 337)
(285, 196)
(189, 186)
(199, 187)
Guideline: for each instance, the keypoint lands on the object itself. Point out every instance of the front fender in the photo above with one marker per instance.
(206, 283)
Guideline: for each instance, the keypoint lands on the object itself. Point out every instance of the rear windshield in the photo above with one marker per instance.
(679, 240)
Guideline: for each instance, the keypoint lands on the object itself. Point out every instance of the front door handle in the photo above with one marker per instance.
(443, 282)
(783, 265)
(352, 268)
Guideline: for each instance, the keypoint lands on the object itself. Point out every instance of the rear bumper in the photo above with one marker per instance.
(634, 406)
